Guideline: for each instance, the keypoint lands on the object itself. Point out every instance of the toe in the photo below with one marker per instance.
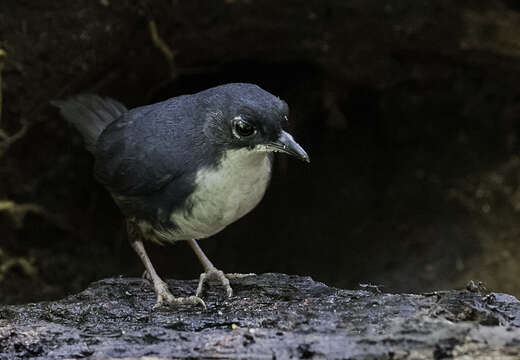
(197, 301)
(161, 301)
(158, 304)
(218, 275)
(225, 282)
(229, 291)
(200, 286)
(239, 276)
(190, 300)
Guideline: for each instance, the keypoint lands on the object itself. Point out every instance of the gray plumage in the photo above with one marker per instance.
(151, 157)
(184, 168)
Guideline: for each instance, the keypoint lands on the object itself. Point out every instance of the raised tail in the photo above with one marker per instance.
(90, 114)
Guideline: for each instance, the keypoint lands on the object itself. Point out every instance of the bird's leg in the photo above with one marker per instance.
(164, 296)
(211, 272)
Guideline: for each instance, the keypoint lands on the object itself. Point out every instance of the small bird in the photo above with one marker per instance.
(184, 168)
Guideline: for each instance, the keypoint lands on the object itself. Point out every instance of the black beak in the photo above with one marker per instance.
(286, 144)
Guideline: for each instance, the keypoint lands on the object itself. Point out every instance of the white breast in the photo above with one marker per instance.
(222, 195)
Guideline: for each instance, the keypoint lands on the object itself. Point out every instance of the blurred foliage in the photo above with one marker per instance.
(7, 263)
(16, 211)
(7, 140)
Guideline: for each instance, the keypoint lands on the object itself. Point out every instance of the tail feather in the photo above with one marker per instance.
(90, 114)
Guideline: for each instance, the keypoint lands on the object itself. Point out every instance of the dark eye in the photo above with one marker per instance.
(242, 128)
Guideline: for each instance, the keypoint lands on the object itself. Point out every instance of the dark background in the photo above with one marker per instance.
(409, 111)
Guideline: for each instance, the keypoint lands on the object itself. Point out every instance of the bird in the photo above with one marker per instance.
(185, 168)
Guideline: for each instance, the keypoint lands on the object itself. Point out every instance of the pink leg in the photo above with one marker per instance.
(211, 272)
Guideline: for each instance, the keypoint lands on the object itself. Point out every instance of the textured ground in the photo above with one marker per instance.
(271, 316)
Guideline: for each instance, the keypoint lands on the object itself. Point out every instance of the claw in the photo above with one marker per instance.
(214, 274)
(165, 297)
(219, 275)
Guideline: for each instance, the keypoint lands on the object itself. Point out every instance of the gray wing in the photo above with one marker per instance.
(134, 154)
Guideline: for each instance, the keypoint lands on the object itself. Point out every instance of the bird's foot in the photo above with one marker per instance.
(165, 297)
(215, 274)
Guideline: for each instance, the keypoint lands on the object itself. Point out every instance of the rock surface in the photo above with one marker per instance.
(270, 316)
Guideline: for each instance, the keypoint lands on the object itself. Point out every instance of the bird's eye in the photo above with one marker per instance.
(242, 128)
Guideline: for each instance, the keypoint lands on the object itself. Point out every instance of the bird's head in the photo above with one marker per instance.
(245, 116)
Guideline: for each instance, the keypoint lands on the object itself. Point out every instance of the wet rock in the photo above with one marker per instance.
(270, 316)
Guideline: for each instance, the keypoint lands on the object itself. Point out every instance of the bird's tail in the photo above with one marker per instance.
(90, 114)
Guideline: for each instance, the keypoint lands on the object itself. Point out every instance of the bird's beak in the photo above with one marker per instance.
(286, 144)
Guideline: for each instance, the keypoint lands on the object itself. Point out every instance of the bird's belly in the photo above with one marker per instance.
(222, 195)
